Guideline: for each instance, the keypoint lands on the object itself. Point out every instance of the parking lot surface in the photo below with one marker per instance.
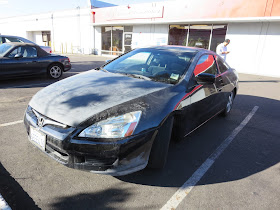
(244, 176)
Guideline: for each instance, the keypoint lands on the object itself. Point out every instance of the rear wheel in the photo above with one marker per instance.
(229, 104)
(54, 71)
(159, 152)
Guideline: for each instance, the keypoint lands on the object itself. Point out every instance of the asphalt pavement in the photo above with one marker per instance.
(244, 176)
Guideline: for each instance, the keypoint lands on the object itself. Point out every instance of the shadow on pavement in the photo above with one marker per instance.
(106, 199)
(13, 193)
(255, 149)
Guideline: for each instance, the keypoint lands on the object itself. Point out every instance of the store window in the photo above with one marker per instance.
(112, 40)
(199, 36)
(202, 36)
(116, 39)
(106, 38)
(178, 35)
(218, 36)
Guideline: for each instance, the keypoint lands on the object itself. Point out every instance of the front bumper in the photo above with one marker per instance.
(115, 158)
(67, 67)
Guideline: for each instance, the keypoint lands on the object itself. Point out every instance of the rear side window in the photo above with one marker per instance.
(206, 64)
(222, 65)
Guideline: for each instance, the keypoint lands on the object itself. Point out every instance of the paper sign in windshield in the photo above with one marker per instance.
(174, 76)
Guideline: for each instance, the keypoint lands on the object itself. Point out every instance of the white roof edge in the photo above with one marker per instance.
(183, 21)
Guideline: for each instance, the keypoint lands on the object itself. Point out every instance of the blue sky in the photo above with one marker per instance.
(11, 8)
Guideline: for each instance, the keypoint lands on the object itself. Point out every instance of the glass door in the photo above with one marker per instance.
(127, 41)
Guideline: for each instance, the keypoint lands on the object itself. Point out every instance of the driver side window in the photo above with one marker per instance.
(26, 52)
(206, 64)
(15, 51)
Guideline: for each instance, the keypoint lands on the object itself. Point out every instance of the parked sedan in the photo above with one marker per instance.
(8, 38)
(120, 118)
(22, 59)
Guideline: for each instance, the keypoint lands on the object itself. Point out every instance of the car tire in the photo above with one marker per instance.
(159, 151)
(229, 104)
(55, 71)
(178, 129)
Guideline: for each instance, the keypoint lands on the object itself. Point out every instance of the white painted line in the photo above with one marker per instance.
(3, 204)
(11, 123)
(186, 188)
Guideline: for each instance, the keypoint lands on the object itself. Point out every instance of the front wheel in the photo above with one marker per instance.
(229, 104)
(54, 71)
(159, 152)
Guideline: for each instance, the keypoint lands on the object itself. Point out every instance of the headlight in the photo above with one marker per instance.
(114, 127)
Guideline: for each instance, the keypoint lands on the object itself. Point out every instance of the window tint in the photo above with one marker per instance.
(162, 65)
(206, 64)
(27, 52)
(30, 52)
(222, 65)
(15, 51)
(4, 48)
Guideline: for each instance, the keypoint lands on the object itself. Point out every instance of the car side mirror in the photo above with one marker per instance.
(205, 78)
(107, 61)
(19, 55)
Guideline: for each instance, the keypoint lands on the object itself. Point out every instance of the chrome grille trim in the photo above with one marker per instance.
(42, 120)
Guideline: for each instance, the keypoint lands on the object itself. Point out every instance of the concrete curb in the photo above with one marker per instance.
(3, 204)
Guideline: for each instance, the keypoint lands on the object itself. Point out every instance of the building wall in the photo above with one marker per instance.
(254, 47)
(70, 30)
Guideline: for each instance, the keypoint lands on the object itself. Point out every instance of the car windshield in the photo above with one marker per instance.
(4, 48)
(156, 64)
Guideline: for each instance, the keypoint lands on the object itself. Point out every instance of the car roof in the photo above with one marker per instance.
(179, 48)
(40, 51)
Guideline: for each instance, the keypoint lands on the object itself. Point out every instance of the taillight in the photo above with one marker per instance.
(50, 51)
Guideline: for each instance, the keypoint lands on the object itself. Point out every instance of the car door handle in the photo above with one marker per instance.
(34, 61)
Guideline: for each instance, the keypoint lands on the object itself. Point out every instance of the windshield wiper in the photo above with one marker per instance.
(139, 76)
(100, 68)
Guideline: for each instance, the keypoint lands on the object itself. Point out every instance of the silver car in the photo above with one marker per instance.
(8, 38)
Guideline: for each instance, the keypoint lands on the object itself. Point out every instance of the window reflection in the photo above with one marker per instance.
(106, 38)
(112, 40)
(199, 36)
(178, 34)
(206, 64)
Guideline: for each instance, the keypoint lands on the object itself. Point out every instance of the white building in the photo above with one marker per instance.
(254, 29)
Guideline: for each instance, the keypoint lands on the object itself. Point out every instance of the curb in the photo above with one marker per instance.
(3, 204)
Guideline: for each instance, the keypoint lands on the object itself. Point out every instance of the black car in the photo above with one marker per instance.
(120, 118)
(8, 38)
(25, 59)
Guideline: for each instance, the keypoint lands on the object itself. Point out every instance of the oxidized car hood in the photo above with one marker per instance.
(73, 100)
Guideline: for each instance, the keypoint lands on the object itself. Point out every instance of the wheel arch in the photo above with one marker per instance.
(56, 63)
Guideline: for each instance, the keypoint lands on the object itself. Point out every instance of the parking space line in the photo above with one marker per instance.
(186, 188)
(11, 123)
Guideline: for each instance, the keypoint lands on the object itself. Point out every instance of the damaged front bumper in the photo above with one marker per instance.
(116, 158)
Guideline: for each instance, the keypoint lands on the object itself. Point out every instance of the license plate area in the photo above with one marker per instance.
(37, 138)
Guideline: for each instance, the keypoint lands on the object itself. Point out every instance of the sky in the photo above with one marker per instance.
(12, 8)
